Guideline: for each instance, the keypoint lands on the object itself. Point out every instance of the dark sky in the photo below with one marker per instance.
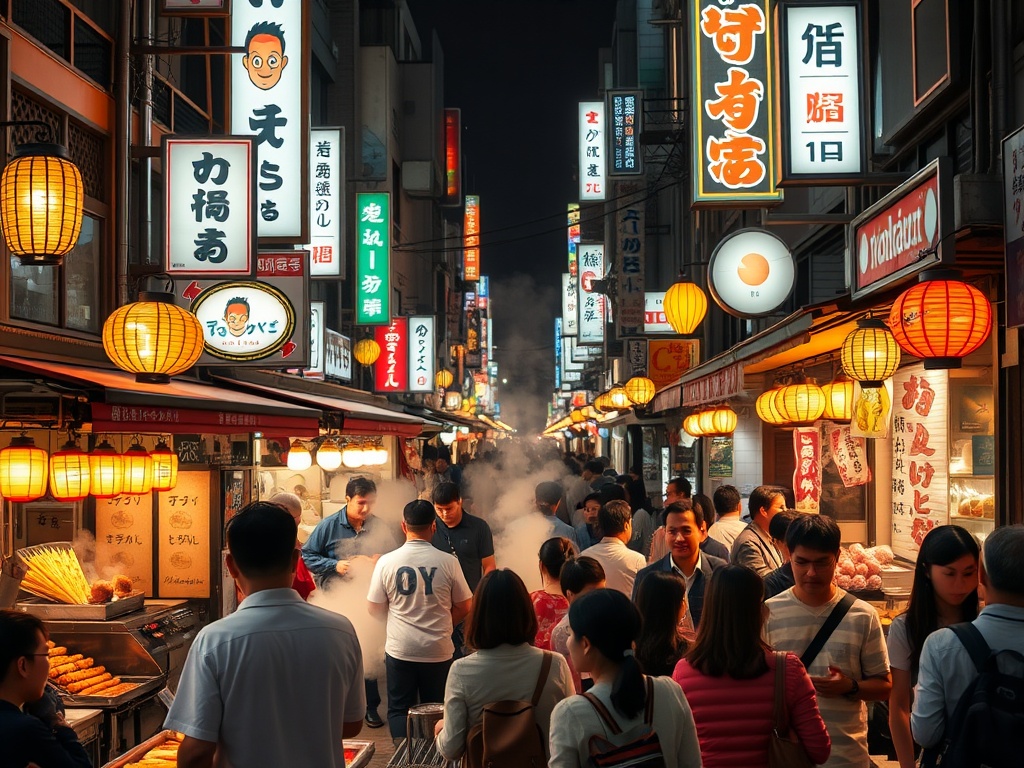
(517, 69)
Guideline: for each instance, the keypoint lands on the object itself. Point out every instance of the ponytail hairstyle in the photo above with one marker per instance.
(555, 553)
(611, 623)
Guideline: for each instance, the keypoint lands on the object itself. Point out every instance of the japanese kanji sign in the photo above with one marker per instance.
(327, 201)
(421, 354)
(593, 170)
(558, 352)
(209, 205)
(337, 355)
(732, 103)
(452, 156)
(668, 359)
(849, 454)
(920, 456)
(625, 111)
(630, 242)
(655, 320)
(570, 297)
(407, 358)
(591, 314)
(269, 93)
(183, 536)
(373, 258)
(820, 112)
(317, 333)
(1013, 194)
(471, 233)
(807, 473)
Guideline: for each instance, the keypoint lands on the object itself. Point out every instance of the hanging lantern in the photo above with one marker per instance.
(801, 403)
(838, 400)
(138, 470)
(299, 457)
(165, 467)
(444, 378)
(69, 473)
(685, 305)
(723, 421)
(767, 409)
(153, 338)
(23, 470)
(618, 399)
(41, 204)
(705, 422)
(366, 351)
(106, 472)
(328, 455)
(452, 400)
(941, 319)
(352, 456)
(870, 354)
(692, 426)
(601, 403)
(639, 390)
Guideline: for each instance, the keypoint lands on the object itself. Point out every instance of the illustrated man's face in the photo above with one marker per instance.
(264, 61)
(236, 316)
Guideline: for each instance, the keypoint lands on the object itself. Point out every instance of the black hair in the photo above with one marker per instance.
(636, 491)
(548, 492)
(445, 493)
(261, 539)
(572, 465)
(612, 492)
(418, 514)
(591, 497)
(682, 507)
(1004, 553)
(429, 452)
(594, 466)
(613, 517)
(779, 524)
(502, 612)
(660, 599)
(237, 300)
(726, 498)
(580, 573)
(18, 637)
(444, 453)
(360, 486)
(703, 510)
(555, 553)
(683, 487)
(611, 623)
(265, 28)
(762, 496)
(818, 532)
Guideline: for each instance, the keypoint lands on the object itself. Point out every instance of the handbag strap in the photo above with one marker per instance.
(649, 709)
(836, 616)
(780, 719)
(545, 667)
(606, 716)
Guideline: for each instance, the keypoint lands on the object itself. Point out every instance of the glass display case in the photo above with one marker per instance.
(972, 501)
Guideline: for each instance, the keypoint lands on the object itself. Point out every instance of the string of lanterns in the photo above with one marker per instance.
(716, 421)
(330, 456)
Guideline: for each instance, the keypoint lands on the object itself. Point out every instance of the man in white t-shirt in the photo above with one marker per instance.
(853, 665)
(423, 594)
(620, 563)
(728, 507)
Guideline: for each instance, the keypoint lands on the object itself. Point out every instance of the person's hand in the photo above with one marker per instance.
(49, 709)
(837, 684)
(342, 567)
(438, 726)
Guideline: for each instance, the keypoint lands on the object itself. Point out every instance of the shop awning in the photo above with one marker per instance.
(118, 403)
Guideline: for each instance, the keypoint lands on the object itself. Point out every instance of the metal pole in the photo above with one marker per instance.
(122, 144)
(146, 138)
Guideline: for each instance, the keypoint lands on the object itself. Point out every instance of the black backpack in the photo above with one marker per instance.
(987, 727)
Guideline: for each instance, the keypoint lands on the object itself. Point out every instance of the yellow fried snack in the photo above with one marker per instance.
(101, 687)
(68, 666)
(88, 683)
(117, 690)
(58, 650)
(81, 674)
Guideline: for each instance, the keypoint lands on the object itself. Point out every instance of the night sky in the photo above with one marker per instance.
(517, 69)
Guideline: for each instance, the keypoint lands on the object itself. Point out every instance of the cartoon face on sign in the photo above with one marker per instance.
(236, 315)
(264, 57)
(244, 320)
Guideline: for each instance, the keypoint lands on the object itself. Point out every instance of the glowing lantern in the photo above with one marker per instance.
(685, 305)
(691, 424)
(69, 473)
(767, 409)
(299, 457)
(23, 470)
(618, 398)
(838, 400)
(328, 455)
(366, 351)
(941, 319)
(153, 338)
(106, 472)
(165, 467)
(452, 400)
(352, 456)
(801, 403)
(640, 390)
(138, 470)
(723, 421)
(444, 378)
(869, 353)
(705, 422)
(576, 416)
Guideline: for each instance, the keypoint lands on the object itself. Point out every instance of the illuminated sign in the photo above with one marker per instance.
(317, 337)
(208, 199)
(625, 109)
(373, 258)
(751, 273)
(471, 233)
(337, 355)
(630, 247)
(668, 359)
(453, 156)
(421, 354)
(406, 362)
(654, 313)
(327, 201)
(591, 311)
(558, 352)
(570, 297)
(592, 148)
(1013, 226)
(244, 320)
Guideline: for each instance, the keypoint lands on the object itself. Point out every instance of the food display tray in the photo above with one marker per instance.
(136, 753)
(50, 611)
(145, 685)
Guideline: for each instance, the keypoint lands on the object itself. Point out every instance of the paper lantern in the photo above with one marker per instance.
(705, 422)
(444, 378)
(452, 400)
(106, 472)
(838, 400)
(801, 403)
(328, 455)
(640, 390)
(685, 305)
(352, 457)
(941, 319)
(766, 408)
(299, 457)
(138, 470)
(69, 473)
(691, 424)
(153, 338)
(869, 353)
(602, 403)
(618, 399)
(723, 421)
(366, 351)
(165, 467)
(576, 416)
(23, 470)
(41, 200)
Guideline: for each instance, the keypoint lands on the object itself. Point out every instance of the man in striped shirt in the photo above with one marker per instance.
(853, 665)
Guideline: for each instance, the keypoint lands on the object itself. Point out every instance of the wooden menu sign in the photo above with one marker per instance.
(124, 540)
(183, 533)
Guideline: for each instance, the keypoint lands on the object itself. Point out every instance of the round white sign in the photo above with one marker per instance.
(751, 273)
(244, 320)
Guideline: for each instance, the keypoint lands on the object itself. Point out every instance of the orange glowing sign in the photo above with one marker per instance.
(471, 232)
(453, 155)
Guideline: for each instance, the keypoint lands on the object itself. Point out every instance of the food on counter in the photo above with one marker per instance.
(66, 664)
(83, 685)
(79, 675)
(101, 687)
(860, 568)
(55, 650)
(123, 586)
(164, 755)
(977, 506)
(101, 592)
(54, 573)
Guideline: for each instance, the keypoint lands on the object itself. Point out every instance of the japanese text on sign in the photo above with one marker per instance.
(326, 201)
(570, 296)
(1013, 226)
(373, 258)
(421, 354)
(592, 150)
(807, 474)
(850, 456)
(627, 157)
(184, 537)
(629, 253)
(471, 232)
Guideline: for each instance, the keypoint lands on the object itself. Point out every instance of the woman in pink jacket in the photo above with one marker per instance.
(728, 678)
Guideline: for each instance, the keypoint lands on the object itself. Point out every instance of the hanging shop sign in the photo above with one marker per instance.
(337, 355)
(807, 474)
(452, 157)
(751, 273)
(591, 265)
(183, 532)
(849, 454)
(1013, 194)
(195, 7)
(407, 360)
(580, 353)
(317, 336)
(733, 113)
(920, 457)
(636, 357)
(209, 208)
(270, 98)
(820, 81)
(655, 320)
(471, 233)
(904, 232)
(570, 323)
(592, 171)
(421, 354)
(625, 115)
(630, 250)
(124, 539)
(373, 258)
(715, 387)
(668, 359)
(327, 201)
(591, 319)
(568, 363)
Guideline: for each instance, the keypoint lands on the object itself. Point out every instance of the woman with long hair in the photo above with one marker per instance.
(501, 630)
(728, 677)
(643, 522)
(945, 592)
(549, 603)
(661, 600)
(604, 624)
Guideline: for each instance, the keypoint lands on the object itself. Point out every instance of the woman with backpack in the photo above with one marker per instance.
(945, 592)
(626, 715)
(505, 667)
(661, 599)
(549, 603)
(730, 678)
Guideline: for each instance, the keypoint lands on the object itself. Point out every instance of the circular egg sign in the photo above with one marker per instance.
(751, 273)
(244, 320)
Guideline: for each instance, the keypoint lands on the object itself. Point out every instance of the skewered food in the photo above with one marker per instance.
(58, 650)
(122, 586)
(163, 756)
(101, 687)
(83, 685)
(55, 574)
(80, 674)
(69, 666)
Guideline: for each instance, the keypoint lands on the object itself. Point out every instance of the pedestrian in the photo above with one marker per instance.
(446, 471)
(303, 583)
(620, 563)
(707, 515)
(588, 533)
(946, 668)
(781, 579)
(729, 677)
(753, 547)
(728, 507)
(422, 593)
(604, 625)
(547, 497)
(683, 528)
(273, 670)
(678, 489)
(576, 490)
(33, 730)
(945, 592)
(643, 523)
(505, 665)
(578, 577)
(848, 664)
(549, 604)
(593, 473)
(664, 636)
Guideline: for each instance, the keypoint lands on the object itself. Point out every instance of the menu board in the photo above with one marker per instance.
(920, 457)
(183, 530)
(124, 540)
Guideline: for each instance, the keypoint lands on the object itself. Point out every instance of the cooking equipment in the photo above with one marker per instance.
(46, 609)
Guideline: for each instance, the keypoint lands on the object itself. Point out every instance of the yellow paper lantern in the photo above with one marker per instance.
(618, 399)
(691, 424)
(153, 338)
(41, 200)
(766, 408)
(640, 390)
(165, 467)
(366, 351)
(299, 457)
(801, 403)
(838, 400)
(23, 470)
(723, 421)
(870, 354)
(328, 455)
(705, 422)
(685, 305)
(138, 470)
(577, 416)
(69, 473)
(352, 456)
(444, 378)
(106, 472)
